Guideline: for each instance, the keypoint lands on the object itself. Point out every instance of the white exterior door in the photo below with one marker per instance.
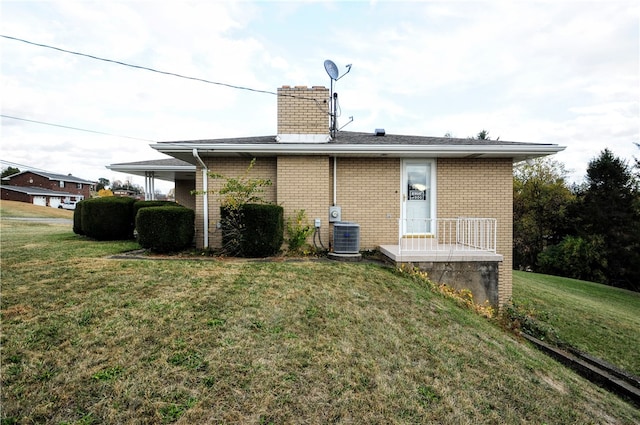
(418, 193)
(40, 200)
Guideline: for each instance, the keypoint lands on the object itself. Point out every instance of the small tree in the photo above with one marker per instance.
(482, 135)
(238, 191)
(233, 195)
(541, 202)
(102, 184)
(298, 230)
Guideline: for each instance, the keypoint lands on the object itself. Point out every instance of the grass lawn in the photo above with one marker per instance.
(601, 320)
(87, 339)
(22, 209)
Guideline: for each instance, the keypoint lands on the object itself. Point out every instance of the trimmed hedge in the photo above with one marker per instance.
(77, 219)
(108, 218)
(165, 229)
(255, 230)
(144, 204)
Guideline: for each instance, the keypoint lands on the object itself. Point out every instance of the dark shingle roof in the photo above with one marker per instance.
(356, 144)
(52, 176)
(359, 138)
(356, 138)
(167, 162)
(37, 191)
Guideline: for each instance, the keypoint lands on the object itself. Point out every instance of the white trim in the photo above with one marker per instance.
(303, 138)
(519, 153)
(135, 167)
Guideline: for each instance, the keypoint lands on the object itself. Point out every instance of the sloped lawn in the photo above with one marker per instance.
(601, 320)
(90, 339)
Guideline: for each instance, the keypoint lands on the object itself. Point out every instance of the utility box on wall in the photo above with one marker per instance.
(335, 214)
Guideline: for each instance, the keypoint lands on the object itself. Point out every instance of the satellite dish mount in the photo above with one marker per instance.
(334, 75)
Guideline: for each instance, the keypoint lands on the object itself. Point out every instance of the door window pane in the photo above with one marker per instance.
(418, 197)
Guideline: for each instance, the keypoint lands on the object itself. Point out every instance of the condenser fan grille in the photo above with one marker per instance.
(346, 238)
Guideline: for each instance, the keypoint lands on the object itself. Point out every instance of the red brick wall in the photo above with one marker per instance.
(11, 195)
(29, 179)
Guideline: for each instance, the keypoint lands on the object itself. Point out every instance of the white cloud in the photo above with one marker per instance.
(548, 72)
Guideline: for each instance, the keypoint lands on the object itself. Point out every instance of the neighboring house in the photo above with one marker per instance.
(46, 189)
(442, 204)
(125, 193)
(36, 195)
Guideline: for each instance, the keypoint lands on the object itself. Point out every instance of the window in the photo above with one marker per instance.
(78, 185)
(61, 183)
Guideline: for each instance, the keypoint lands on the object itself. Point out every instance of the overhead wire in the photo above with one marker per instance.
(73, 128)
(146, 68)
(15, 164)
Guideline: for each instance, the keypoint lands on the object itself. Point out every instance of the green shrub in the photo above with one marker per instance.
(77, 219)
(264, 227)
(298, 230)
(253, 230)
(576, 257)
(165, 229)
(107, 218)
(520, 318)
(144, 204)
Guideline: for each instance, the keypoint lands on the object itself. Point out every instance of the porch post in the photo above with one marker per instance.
(149, 183)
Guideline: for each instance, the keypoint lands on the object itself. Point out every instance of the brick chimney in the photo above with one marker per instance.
(303, 114)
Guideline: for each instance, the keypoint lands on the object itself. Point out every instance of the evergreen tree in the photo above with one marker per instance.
(608, 207)
(9, 171)
(637, 162)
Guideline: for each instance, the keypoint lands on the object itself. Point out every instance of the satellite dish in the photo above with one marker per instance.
(331, 69)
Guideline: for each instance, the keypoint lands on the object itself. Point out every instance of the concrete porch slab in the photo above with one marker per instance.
(443, 253)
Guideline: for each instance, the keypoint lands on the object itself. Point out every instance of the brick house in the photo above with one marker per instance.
(46, 189)
(442, 204)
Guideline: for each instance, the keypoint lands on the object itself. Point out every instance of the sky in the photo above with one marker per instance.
(562, 72)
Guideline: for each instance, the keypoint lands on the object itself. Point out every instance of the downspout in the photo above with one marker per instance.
(335, 182)
(205, 190)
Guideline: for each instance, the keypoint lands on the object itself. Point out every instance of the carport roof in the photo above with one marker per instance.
(169, 169)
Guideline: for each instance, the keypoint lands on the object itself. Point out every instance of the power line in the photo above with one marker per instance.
(74, 128)
(28, 167)
(173, 74)
(142, 68)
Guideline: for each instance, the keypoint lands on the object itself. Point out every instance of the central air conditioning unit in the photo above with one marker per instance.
(346, 238)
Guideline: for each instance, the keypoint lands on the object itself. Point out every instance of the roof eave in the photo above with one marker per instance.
(126, 168)
(518, 152)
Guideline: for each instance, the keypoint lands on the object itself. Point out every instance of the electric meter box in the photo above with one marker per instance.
(335, 214)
